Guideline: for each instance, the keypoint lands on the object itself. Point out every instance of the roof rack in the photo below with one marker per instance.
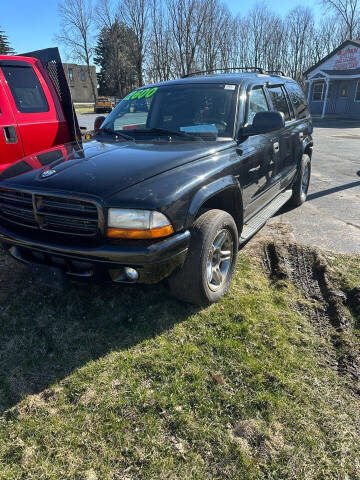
(252, 69)
(275, 72)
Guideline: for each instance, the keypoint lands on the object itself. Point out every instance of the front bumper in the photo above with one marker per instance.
(153, 261)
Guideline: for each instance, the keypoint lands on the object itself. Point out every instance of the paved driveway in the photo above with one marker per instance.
(87, 119)
(330, 219)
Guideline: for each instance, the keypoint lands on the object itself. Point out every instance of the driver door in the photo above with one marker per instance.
(10, 141)
(259, 157)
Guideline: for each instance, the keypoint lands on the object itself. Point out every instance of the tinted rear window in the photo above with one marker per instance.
(26, 89)
(279, 101)
(297, 98)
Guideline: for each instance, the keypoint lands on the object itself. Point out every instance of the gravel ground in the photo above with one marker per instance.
(330, 219)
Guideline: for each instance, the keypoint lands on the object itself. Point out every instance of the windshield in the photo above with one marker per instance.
(194, 110)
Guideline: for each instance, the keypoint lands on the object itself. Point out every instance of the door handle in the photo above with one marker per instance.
(276, 147)
(10, 134)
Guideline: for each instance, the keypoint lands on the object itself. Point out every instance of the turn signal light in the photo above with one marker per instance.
(134, 234)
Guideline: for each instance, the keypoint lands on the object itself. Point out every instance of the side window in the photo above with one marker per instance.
(318, 91)
(357, 93)
(257, 103)
(26, 89)
(279, 101)
(298, 100)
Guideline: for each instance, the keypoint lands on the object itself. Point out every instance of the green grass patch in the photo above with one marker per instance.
(127, 383)
(346, 270)
(84, 108)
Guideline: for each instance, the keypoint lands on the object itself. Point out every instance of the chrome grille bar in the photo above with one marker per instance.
(51, 213)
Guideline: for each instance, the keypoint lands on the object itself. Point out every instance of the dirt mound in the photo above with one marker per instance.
(324, 305)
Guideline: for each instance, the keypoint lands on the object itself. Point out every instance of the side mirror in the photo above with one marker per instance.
(264, 122)
(98, 121)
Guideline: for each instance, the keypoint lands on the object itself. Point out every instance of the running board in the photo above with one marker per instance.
(255, 223)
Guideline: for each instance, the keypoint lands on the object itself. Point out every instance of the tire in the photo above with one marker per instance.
(301, 183)
(192, 283)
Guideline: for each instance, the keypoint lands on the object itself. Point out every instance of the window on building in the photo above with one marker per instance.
(279, 101)
(298, 100)
(82, 76)
(26, 89)
(257, 103)
(343, 91)
(357, 92)
(71, 74)
(318, 91)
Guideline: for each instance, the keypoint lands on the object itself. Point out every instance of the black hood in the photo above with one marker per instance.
(102, 168)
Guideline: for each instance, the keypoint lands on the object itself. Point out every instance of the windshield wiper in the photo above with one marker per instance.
(117, 134)
(163, 131)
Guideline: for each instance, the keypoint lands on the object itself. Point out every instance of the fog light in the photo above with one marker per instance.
(131, 273)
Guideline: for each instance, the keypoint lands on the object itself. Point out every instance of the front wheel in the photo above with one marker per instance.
(209, 266)
(302, 181)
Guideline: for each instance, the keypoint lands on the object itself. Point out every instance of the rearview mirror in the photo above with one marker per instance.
(263, 122)
(98, 121)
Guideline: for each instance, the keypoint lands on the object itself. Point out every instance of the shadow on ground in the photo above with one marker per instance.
(338, 123)
(321, 193)
(47, 334)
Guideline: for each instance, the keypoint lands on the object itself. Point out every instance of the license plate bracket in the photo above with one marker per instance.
(53, 277)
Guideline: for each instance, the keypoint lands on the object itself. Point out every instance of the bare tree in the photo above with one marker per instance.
(77, 24)
(160, 62)
(237, 53)
(260, 22)
(277, 46)
(328, 35)
(215, 24)
(105, 14)
(187, 19)
(348, 11)
(135, 14)
(175, 37)
(300, 33)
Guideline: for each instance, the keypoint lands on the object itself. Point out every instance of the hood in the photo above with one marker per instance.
(102, 168)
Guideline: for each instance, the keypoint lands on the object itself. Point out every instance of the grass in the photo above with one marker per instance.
(80, 108)
(127, 383)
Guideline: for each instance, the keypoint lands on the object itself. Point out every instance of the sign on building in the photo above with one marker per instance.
(347, 58)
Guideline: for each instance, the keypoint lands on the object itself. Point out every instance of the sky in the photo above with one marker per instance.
(32, 24)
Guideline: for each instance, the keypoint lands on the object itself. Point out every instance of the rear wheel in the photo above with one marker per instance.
(209, 267)
(302, 181)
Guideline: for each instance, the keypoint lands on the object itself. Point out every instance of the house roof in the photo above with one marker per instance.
(353, 71)
(340, 47)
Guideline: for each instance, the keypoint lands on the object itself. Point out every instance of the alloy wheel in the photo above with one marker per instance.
(305, 179)
(219, 259)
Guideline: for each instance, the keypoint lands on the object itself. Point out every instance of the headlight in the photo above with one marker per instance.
(137, 224)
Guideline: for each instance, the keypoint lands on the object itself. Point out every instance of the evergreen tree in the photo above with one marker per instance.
(5, 48)
(117, 74)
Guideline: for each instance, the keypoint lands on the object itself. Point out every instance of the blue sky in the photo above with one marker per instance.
(32, 24)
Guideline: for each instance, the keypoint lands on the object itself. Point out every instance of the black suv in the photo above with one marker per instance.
(175, 179)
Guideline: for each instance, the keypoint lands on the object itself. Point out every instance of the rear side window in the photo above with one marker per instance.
(298, 101)
(26, 89)
(257, 103)
(279, 101)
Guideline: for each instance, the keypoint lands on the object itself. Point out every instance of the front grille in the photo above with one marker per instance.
(49, 213)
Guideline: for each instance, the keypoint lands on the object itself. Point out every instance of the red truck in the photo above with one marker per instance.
(36, 111)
